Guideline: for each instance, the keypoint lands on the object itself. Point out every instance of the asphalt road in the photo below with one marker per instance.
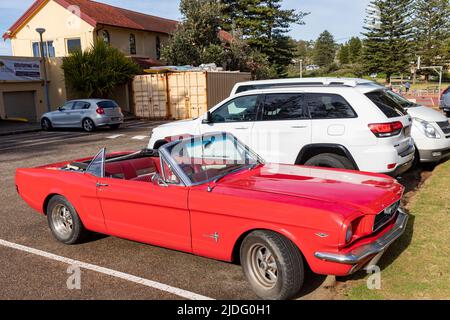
(147, 272)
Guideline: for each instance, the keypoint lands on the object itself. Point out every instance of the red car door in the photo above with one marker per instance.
(146, 212)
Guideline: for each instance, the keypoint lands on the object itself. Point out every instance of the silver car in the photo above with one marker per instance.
(87, 114)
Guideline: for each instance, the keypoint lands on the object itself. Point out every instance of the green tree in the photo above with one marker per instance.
(264, 25)
(196, 38)
(354, 49)
(324, 50)
(387, 44)
(432, 30)
(96, 72)
(344, 54)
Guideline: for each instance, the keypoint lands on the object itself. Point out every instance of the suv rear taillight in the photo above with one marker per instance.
(100, 110)
(385, 130)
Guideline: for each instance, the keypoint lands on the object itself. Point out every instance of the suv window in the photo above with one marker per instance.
(239, 109)
(328, 106)
(81, 105)
(284, 107)
(386, 104)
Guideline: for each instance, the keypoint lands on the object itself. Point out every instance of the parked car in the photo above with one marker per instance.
(430, 130)
(445, 101)
(327, 122)
(212, 196)
(87, 114)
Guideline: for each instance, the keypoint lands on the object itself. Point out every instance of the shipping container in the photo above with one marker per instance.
(182, 95)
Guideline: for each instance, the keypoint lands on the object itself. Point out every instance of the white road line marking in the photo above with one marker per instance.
(139, 138)
(115, 136)
(113, 273)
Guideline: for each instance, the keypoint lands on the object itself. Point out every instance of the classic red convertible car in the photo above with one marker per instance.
(212, 196)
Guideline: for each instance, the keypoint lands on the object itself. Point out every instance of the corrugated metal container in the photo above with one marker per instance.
(150, 96)
(182, 95)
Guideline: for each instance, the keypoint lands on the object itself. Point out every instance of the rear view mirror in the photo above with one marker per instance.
(208, 118)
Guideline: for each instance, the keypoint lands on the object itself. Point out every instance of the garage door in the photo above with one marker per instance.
(20, 105)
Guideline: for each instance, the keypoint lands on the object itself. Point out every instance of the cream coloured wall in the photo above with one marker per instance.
(145, 40)
(60, 25)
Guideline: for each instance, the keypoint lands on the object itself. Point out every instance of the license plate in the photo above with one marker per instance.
(374, 261)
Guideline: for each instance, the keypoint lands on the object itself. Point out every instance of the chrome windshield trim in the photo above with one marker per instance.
(365, 251)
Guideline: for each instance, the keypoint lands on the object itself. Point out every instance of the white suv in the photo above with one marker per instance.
(339, 123)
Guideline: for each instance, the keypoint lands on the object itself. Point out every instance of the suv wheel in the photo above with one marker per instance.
(330, 160)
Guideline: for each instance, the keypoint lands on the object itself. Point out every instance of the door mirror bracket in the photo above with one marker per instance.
(208, 119)
(159, 181)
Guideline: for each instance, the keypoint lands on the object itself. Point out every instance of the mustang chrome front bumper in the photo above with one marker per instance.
(365, 251)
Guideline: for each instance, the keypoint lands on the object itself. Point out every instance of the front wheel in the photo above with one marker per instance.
(272, 264)
(64, 221)
(46, 124)
(88, 125)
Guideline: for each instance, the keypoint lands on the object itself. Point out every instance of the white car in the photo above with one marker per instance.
(430, 131)
(340, 123)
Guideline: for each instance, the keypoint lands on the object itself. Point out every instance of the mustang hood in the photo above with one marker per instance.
(369, 193)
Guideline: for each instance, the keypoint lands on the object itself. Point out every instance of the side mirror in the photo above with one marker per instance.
(208, 118)
(60, 108)
(159, 181)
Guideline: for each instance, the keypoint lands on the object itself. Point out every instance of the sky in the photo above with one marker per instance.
(343, 18)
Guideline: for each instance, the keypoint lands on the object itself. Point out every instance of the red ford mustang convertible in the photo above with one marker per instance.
(212, 196)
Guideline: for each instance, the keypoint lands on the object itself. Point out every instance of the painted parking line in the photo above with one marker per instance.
(139, 138)
(115, 136)
(113, 273)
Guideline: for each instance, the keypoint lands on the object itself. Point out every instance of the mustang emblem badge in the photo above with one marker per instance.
(214, 236)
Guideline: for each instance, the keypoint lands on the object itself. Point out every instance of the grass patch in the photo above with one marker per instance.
(417, 265)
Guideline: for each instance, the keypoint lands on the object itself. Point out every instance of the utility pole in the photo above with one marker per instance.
(301, 68)
(44, 65)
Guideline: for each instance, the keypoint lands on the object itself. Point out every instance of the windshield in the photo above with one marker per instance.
(405, 103)
(210, 157)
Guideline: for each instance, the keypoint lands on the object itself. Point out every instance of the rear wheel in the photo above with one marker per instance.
(64, 221)
(46, 124)
(88, 125)
(330, 160)
(272, 264)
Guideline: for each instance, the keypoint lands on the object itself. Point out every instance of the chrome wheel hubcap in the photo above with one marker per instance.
(62, 220)
(263, 266)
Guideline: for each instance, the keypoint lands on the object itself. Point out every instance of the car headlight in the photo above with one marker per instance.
(349, 234)
(426, 128)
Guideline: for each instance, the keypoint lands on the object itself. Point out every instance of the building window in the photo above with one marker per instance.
(49, 49)
(132, 44)
(106, 37)
(73, 45)
(158, 48)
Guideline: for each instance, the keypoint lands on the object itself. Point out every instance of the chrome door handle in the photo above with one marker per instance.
(241, 128)
(99, 185)
(299, 127)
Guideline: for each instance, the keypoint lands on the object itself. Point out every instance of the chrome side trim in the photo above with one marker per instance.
(360, 253)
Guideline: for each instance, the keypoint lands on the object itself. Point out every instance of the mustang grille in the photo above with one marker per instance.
(385, 216)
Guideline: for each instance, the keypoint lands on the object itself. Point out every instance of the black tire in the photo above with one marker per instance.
(287, 257)
(447, 113)
(75, 231)
(88, 125)
(115, 126)
(46, 124)
(330, 160)
(158, 144)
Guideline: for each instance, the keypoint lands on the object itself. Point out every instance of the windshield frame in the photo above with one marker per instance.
(165, 154)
